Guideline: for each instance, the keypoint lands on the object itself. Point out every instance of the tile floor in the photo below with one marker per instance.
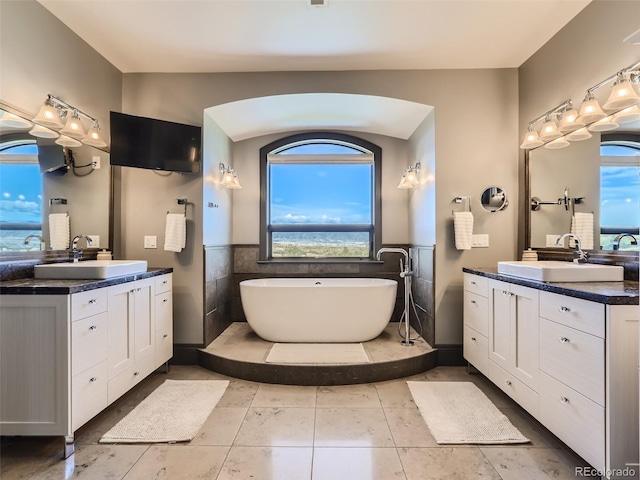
(262, 431)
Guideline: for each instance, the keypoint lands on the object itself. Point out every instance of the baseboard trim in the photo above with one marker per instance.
(185, 354)
(450, 356)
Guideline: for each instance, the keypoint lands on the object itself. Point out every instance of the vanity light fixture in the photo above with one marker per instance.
(410, 177)
(54, 111)
(549, 130)
(557, 143)
(590, 110)
(13, 121)
(578, 135)
(229, 178)
(604, 125)
(43, 132)
(622, 94)
(569, 121)
(628, 115)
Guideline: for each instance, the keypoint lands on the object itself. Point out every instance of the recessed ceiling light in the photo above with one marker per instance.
(633, 39)
(318, 3)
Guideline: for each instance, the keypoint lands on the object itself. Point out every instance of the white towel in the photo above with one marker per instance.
(582, 226)
(175, 235)
(58, 231)
(463, 229)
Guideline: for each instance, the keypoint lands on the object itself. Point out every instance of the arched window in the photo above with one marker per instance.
(619, 188)
(320, 197)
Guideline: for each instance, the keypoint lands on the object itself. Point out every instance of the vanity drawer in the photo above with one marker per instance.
(523, 395)
(573, 357)
(573, 312)
(85, 304)
(476, 312)
(476, 349)
(125, 381)
(88, 394)
(476, 284)
(89, 341)
(163, 283)
(574, 419)
(164, 328)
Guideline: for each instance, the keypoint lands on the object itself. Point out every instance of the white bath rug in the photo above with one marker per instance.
(458, 412)
(173, 412)
(317, 353)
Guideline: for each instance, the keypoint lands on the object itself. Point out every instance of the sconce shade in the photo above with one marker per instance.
(13, 121)
(604, 125)
(412, 178)
(531, 140)
(235, 183)
(549, 131)
(73, 127)
(94, 137)
(629, 114)
(569, 121)
(48, 117)
(578, 135)
(66, 141)
(404, 184)
(622, 95)
(227, 178)
(557, 144)
(43, 132)
(590, 111)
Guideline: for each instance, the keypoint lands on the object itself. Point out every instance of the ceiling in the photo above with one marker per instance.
(193, 36)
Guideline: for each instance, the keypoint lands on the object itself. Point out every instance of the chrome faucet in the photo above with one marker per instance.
(579, 256)
(616, 241)
(406, 274)
(30, 237)
(75, 253)
(404, 269)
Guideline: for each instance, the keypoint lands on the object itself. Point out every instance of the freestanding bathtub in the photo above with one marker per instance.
(318, 310)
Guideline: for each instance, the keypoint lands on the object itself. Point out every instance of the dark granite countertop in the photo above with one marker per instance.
(40, 286)
(610, 293)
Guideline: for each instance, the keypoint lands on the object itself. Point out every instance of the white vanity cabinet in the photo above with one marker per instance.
(65, 357)
(571, 363)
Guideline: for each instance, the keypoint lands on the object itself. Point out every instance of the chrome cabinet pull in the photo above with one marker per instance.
(473, 301)
(165, 300)
(473, 338)
(564, 340)
(164, 282)
(133, 290)
(135, 374)
(166, 335)
(92, 301)
(508, 382)
(564, 400)
(93, 379)
(563, 309)
(93, 327)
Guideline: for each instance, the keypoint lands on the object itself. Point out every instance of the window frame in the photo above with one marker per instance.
(266, 230)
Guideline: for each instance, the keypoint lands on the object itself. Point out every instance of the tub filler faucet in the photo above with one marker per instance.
(406, 274)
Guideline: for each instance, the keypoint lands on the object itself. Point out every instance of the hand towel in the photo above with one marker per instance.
(58, 231)
(175, 235)
(463, 229)
(582, 226)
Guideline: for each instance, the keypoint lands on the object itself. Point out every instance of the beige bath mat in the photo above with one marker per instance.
(458, 412)
(317, 353)
(174, 412)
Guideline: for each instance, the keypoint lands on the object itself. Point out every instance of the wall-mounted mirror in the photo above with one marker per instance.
(36, 174)
(494, 199)
(598, 179)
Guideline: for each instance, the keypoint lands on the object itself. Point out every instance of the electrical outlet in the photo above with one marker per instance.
(551, 240)
(95, 240)
(150, 241)
(96, 162)
(480, 240)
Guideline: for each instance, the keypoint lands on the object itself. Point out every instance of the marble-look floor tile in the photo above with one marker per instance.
(284, 396)
(267, 463)
(277, 427)
(92, 431)
(408, 428)
(348, 396)
(530, 428)
(450, 463)
(352, 427)
(178, 462)
(395, 394)
(532, 463)
(357, 464)
(221, 427)
(239, 393)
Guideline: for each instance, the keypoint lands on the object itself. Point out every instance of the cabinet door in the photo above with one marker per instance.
(121, 328)
(500, 313)
(524, 335)
(144, 314)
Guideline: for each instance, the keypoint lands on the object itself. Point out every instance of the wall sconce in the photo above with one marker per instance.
(620, 107)
(71, 134)
(229, 178)
(410, 177)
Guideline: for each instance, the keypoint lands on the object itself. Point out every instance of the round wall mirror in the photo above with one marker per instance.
(493, 199)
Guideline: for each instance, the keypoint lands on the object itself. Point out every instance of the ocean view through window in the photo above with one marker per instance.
(320, 198)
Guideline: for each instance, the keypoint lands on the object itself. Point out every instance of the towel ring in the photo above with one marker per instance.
(182, 201)
(461, 199)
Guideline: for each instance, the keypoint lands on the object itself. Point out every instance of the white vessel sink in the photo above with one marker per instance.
(90, 269)
(552, 271)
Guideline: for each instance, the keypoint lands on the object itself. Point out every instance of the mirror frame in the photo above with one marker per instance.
(504, 204)
(52, 254)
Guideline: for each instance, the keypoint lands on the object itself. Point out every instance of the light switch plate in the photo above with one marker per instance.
(150, 241)
(96, 162)
(551, 240)
(480, 240)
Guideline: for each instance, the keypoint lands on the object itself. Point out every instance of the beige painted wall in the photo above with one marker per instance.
(586, 51)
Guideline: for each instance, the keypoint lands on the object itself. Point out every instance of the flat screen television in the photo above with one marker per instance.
(52, 157)
(155, 144)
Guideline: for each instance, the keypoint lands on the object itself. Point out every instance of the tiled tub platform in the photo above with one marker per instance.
(238, 352)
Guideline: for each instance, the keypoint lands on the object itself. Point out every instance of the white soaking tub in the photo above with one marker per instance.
(318, 310)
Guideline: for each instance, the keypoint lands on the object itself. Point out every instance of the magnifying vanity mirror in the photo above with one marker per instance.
(39, 178)
(494, 199)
